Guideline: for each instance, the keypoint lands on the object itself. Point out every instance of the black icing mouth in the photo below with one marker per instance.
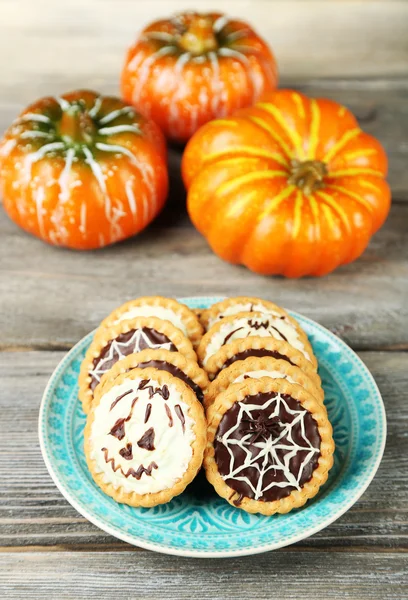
(136, 473)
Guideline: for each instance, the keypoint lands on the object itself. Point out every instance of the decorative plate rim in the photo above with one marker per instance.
(323, 522)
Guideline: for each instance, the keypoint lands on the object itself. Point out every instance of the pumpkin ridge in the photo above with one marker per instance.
(293, 135)
(355, 171)
(230, 185)
(314, 129)
(297, 214)
(339, 145)
(357, 197)
(250, 150)
(276, 137)
(275, 202)
(336, 208)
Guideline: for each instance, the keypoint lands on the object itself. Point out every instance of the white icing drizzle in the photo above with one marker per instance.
(266, 326)
(234, 309)
(161, 312)
(171, 453)
(268, 447)
(263, 373)
(137, 342)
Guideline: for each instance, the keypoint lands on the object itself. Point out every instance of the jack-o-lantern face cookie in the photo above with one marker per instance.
(167, 309)
(255, 368)
(110, 344)
(243, 325)
(145, 437)
(232, 306)
(173, 362)
(270, 445)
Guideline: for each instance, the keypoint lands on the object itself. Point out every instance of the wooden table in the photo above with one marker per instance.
(49, 298)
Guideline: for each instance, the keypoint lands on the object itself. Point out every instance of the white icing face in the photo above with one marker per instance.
(244, 307)
(141, 436)
(267, 326)
(262, 373)
(154, 311)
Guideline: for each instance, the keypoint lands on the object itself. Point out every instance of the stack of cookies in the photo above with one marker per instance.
(142, 389)
(269, 440)
(265, 442)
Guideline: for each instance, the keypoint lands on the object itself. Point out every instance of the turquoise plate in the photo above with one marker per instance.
(199, 523)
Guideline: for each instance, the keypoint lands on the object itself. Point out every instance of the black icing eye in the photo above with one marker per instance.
(147, 440)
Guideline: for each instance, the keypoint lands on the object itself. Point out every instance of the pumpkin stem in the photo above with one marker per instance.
(76, 126)
(308, 175)
(199, 36)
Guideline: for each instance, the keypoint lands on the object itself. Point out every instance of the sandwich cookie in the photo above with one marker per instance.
(145, 437)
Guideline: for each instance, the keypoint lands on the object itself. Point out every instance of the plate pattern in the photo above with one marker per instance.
(199, 523)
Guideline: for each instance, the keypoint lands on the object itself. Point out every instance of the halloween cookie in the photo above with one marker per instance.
(167, 309)
(232, 306)
(257, 346)
(145, 437)
(270, 445)
(110, 344)
(173, 362)
(243, 325)
(255, 368)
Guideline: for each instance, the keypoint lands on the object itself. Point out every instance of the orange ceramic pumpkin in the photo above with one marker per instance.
(82, 170)
(290, 186)
(185, 71)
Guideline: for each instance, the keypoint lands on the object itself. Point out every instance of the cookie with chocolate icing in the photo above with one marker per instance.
(167, 309)
(255, 368)
(173, 362)
(110, 344)
(270, 445)
(258, 347)
(145, 437)
(232, 306)
(248, 324)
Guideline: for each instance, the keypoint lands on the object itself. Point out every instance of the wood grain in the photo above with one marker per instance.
(33, 512)
(331, 39)
(50, 298)
(125, 575)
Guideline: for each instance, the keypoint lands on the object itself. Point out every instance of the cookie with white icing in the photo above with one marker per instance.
(233, 306)
(241, 349)
(110, 344)
(255, 368)
(173, 362)
(145, 437)
(270, 445)
(167, 309)
(243, 325)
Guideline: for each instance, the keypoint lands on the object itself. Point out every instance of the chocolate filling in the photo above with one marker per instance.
(163, 365)
(149, 338)
(259, 352)
(256, 442)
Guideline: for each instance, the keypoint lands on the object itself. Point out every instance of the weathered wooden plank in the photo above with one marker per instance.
(308, 38)
(33, 512)
(282, 574)
(51, 297)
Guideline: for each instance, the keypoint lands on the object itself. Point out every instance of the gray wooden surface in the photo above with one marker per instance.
(49, 298)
